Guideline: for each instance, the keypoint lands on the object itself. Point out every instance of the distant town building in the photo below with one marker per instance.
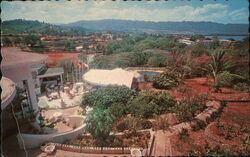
(79, 48)
(186, 41)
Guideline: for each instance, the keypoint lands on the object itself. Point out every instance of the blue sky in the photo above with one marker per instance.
(221, 11)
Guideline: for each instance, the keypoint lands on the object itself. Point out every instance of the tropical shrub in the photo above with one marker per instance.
(129, 123)
(216, 151)
(118, 109)
(199, 49)
(132, 123)
(196, 37)
(241, 48)
(146, 124)
(138, 58)
(148, 43)
(183, 134)
(199, 66)
(157, 61)
(121, 60)
(126, 45)
(161, 123)
(199, 124)
(187, 109)
(221, 70)
(106, 96)
(226, 79)
(99, 123)
(102, 62)
(242, 86)
(167, 80)
(147, 104)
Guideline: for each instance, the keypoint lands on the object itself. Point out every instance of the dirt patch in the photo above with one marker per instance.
(236, 116)
(236, 113)
(197, 86)
(233, 114)
(195, 140)
(55, 58)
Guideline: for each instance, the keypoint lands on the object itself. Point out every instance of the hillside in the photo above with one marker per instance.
(206, 28)
(20, 26)
(81, 27)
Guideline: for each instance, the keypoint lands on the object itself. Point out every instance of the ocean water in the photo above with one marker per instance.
(237, 38)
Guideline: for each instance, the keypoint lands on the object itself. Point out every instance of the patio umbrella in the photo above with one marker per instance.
(42, 103)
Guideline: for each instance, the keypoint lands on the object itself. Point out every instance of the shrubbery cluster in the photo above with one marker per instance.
(167, 80)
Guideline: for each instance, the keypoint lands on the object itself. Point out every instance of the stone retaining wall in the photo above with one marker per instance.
(95, 150)
(147, 68)
(110, 150)
(213, 106)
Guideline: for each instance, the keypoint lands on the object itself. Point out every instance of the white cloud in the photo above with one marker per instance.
(239, 14)
(65, 12)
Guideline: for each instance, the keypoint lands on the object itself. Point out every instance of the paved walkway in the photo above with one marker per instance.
(162, 145)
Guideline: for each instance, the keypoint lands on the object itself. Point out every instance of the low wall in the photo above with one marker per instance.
(161, 69)
(110, 150)
(95, 150)
(213, 106)
(36, 140)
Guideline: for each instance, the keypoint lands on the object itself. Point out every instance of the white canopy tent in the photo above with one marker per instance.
(116, 76)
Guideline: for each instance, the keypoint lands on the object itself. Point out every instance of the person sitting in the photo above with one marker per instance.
(58, 92)
(47, 95)
(63, 104)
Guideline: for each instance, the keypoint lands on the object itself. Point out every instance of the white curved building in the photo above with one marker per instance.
(8, 92)
(16, 65)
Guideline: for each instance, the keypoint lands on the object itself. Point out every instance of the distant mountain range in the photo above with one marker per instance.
(167, 27)
(206, 28)
(26, 26)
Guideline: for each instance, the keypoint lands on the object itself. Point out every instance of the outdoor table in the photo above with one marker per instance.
(57, 114)
(52, 86)
(54, 95)
(79, 84)
(68, 83)
(66, 88)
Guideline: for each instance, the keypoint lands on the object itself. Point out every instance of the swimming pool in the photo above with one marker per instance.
(147, 76)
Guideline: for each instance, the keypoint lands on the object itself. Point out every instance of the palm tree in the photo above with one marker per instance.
(220, 67)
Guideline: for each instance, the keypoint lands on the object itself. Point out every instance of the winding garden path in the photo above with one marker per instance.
(162, 145)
